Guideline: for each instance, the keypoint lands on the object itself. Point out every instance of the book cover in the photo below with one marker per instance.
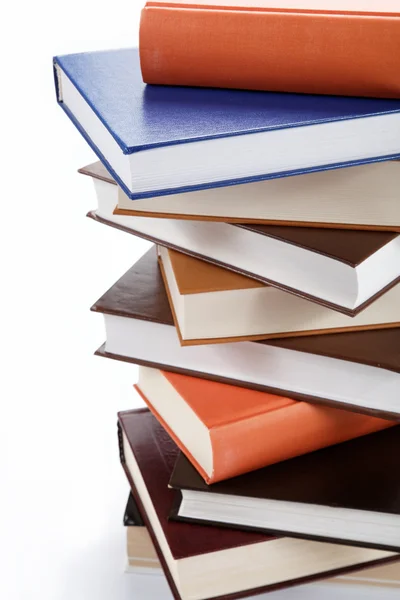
(155, 454)
(132, 516)
(207, 420)
(379, 577)
(136, 120)
(211, 295)
(139, 296)
(357, 479)
(341, 249)
(275, 46)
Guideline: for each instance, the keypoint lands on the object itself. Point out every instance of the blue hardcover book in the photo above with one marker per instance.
(158, 140)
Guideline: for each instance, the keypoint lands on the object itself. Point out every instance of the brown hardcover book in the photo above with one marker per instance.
(141, 552)
(347, 493)
(362, 197)
(359, 371)
(342, 269)
(211, 304)
(192, 555)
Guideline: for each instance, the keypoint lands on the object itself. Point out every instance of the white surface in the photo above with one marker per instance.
(154, 587)
(63, 492)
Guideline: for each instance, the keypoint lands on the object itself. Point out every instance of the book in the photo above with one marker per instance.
(211, 304)
(348, 493)
(157, 140)
(283, 46)
(226, 430)
(207, 562)
(379, 579)
(141, 555)
(362, 197)
(341, 269)
(359, 371)
(132, 516)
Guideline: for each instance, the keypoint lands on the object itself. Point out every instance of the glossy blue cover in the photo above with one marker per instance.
(141, 117)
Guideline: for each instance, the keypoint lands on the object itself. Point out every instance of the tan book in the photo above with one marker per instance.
(211, 304)
(361, 197)
(142, 555)
(142, 558)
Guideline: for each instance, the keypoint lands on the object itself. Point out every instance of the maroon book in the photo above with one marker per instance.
(203, 562)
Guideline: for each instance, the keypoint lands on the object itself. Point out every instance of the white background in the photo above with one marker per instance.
(62, 489)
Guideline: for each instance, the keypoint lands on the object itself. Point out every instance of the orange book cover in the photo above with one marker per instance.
(339, 48)
(249, 429)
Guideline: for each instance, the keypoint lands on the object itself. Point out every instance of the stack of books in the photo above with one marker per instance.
(265, 319)
(379, 582)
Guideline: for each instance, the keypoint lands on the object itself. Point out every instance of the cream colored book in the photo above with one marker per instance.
(142, 558)
(212, 305)
(362, 197)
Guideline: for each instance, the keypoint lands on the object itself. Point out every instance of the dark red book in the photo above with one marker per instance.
(201, 561)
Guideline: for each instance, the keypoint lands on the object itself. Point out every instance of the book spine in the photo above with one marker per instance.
(132, 516)
(121, 445)
(146, 520)
(271, 437)
(300, 52)
(172, 435)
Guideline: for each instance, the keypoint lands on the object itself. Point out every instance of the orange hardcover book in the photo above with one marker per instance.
(226, 430)
(335, 47)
